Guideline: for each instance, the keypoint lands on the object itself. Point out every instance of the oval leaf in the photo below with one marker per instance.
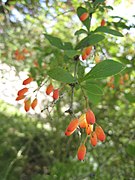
(93, 89)
(107, 30)
(80, 31)
(62, 75)
(95, 99)
(54, 41)
(90, 40)
(104, 69)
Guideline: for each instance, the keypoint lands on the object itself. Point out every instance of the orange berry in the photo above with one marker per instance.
(73, 125)
(27, 81)
(84, 56)
(68, 133)
(49, 89)
(27, 104)
(81, 152)
(103, 22)
(126, 76)
(20, 98)
(93, 139)
(84, 16)
(34, 103)
(89, 129)
(100, 133)
(82, 121)
(56, 94)
(90, 117)
(88, 50)
(22, 91)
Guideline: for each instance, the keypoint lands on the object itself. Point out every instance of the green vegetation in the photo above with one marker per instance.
(47, 43)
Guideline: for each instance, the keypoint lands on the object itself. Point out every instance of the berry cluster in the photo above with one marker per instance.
(21, 55)
(22, 95)
(27, 100)
(50, 89)
(121, 81)
(93, 130)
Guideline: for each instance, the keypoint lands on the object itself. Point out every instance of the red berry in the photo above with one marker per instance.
(88, 50)
(100, 133)
(89, 129)
(72, 127)
(103, 22)
(81, 152)
(93, 139)
(90, 117)
(34, 103)
(49, 89)
(27, 104)
(22, 91)
(20, 98)
(27, 81)
(56, 94)
(84, 56)
(84, 16)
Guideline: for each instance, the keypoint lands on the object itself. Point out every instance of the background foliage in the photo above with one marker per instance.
(34, 146)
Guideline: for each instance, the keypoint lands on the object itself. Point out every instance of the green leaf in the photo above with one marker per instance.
(80, 31)
(107, 30)
(54, 41)
(71, 53)
(131, 148)
(67, 46)
(98, 1)
(57, 42)
(62, 75)
(80, 11)
(130, 97)
(90, 40)
(104, 69)
(93, 98)
(93, 89)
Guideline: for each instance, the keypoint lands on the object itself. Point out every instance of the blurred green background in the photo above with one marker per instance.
(33, 146)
